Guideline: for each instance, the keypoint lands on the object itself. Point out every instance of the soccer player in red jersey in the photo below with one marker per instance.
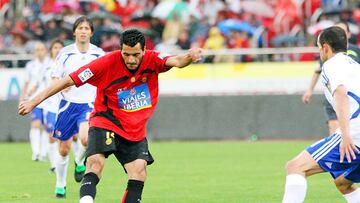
(127, 94)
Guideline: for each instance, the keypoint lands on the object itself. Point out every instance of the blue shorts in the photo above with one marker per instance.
(69, 118)
(326, 154)
(49, 121)
(37, 115)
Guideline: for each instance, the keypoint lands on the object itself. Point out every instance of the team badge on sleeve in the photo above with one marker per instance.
(85, 75)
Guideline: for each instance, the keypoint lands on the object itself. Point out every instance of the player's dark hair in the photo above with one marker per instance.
(81, 20)
(131, 37)
(344, 23)
(55, 41)
(335, 37)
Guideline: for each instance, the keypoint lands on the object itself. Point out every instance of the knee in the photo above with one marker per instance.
(291, 167)
(84, 141)
(138, 174)
(64, 151)
(36, 124)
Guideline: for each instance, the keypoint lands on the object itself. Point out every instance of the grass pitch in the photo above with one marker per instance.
(183, 172)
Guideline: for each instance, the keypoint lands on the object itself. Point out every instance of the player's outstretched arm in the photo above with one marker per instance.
(347, 146)
(180, 61)
(306, 98)
(25, 107)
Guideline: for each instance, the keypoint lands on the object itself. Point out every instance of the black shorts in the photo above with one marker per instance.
(102, 141)
(329, 110)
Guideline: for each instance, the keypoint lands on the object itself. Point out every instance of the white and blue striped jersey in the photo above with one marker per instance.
(70, 59)
(343, 70)
(34, 76)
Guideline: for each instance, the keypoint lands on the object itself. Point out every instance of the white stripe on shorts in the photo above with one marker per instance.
(327, 151)
(64, 107)
(91, 105)
(321, 152)
(325, 145)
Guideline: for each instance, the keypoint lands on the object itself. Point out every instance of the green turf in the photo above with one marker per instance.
(183, 172)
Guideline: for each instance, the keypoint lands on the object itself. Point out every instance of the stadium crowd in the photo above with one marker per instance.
(174, 25)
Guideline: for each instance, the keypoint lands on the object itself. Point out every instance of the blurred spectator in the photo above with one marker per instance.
(37, 29)
(52, 29)
(5, 33)
(215, 41)
(19, 41)
(111, 43)
(199, 31)
(157, 27)
(184, 41)
(239, 39)
(172, 29)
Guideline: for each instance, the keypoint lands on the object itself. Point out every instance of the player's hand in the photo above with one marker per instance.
(195, 54)
(306, 98)
(348, 149)
(26, 107)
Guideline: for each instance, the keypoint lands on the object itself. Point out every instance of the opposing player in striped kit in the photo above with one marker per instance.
(76, 104)
(339, 153)
(51, 105)
(33, 85)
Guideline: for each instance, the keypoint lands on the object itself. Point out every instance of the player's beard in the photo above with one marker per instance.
(132, 70)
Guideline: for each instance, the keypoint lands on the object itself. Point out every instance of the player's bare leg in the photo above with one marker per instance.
(94, 166)
(79, 156)
(349, 190)
(61, 167)
(137, 175)
(297, 170)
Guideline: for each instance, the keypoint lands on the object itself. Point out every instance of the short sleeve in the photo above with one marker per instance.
(160, 59)
(335, 75)
(91, 73)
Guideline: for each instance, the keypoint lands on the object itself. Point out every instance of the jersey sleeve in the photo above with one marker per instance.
(160, 59)
(91, 73)
(335, 75)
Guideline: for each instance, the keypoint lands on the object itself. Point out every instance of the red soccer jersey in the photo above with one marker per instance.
(124, 100)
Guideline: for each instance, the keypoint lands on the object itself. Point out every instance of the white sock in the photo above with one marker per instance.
(75, 148)
(353, 197)
(35, 142)
(44, 145)
(53, 154)
(86, 199)
(61, 170)
(80, 158)
(295, 189)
